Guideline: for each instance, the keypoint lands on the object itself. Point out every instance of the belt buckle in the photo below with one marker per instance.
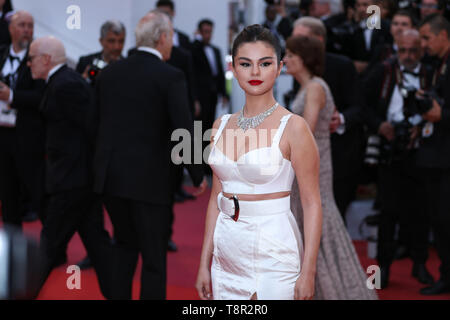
(236, 207)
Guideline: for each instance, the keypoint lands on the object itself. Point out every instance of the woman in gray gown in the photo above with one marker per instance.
(339, 272)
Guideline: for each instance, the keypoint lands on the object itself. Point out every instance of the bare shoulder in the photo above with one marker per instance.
(298, 132)
(315, 88)
(296, 125)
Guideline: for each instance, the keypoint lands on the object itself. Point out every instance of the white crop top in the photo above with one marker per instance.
(259, 171)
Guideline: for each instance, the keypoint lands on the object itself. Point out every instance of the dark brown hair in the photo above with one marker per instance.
(437, 24)
(255, 33)
(311, 50)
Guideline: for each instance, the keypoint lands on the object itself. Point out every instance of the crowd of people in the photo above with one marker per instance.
(375, 100)
(381, 130)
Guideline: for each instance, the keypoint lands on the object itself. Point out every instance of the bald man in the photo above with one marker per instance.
(71, 205)
(401, 190)
(21, 129)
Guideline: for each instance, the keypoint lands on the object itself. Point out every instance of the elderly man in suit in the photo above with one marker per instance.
(67, 107)
(141, 99)
(21, 126)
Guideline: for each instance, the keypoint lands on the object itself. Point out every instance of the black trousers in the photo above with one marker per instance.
(139, 227)
(402, 196)
(76, 211)
(14, 175)
(178, 185)
(344, 192)
(437, 182)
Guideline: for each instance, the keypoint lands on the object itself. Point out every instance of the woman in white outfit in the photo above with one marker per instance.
(252, 247)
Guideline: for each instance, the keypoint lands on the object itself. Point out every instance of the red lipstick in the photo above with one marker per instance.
(255, 82)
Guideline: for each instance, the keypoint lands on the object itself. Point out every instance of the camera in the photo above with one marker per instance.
(96, 67)
(418, 104)
(414, 106)
(398, 149)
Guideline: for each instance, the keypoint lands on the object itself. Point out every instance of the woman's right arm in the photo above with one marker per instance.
(203, 283)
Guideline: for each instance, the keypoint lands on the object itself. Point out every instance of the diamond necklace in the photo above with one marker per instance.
(246, 123)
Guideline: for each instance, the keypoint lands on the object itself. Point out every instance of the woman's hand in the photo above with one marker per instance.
(203, 284)
(304, 287)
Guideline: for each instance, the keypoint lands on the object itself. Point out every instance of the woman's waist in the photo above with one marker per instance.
(235, 206)
(257, 197)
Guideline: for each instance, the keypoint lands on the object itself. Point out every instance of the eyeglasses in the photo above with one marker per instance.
(428, 6)
(30, 58)
(410, 50)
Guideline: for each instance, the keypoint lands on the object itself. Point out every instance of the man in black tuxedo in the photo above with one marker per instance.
(21, 128)
(209, 76)
(434, 151)
(112, 40)
(180, 39)
(347, 124)
(277, 22)
(401, 21)
(400, 186)
(364, 40)
(67, 107)
(322, 9)
(181, 59)
(141, 99)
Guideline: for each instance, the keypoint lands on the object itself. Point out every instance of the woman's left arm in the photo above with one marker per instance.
(306, 163)
(315, 101)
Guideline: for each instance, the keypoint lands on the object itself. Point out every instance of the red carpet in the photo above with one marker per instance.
(182, 265)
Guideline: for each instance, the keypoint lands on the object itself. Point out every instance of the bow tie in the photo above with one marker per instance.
(12, 58)
(415, 74)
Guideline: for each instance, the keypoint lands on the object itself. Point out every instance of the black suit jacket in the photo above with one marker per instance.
(29, 123)
(284, 27)
(206, 83)
(5, 37)
(358, 43)
(184, 41)
(182, 60)
(141, 100)
(347, 148)
(67, 106)
(85, 61)
(434, 151)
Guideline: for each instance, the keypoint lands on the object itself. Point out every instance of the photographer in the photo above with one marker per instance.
(434, 152)
(112, 39)
(394, 113)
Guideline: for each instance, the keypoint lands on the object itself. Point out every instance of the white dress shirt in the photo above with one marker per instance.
(367, 34)
(11, 66)
(209, 52)
(395, 110)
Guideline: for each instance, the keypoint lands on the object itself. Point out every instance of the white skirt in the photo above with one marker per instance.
(260, 253)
